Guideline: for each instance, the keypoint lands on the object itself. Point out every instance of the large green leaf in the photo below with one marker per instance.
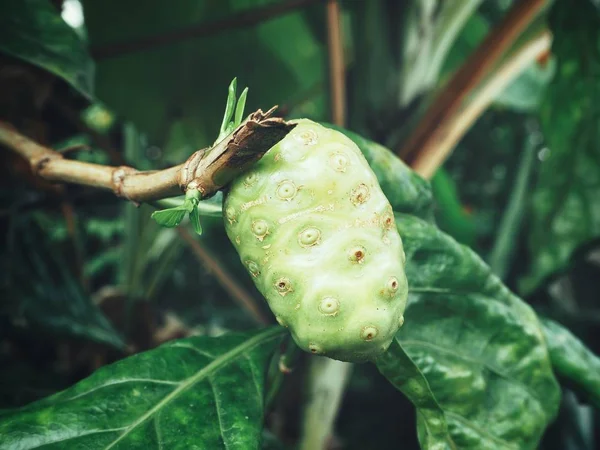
(175, 93)
(565, 209)
(195, 393)
(407, 192)
(480, 347)
(402, 372)
(573, 362)
(33, 31)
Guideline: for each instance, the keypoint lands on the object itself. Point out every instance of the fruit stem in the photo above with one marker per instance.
(326, 382)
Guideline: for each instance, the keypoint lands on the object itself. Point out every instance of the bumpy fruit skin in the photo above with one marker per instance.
(318, 237)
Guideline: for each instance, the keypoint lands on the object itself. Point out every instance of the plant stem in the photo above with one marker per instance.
(225, 279)
(337, 74)
(326, 382)
(421, 149)
(208, 171)
(504, 246)
(484, 95)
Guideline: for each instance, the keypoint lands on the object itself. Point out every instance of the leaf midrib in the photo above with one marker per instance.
(200, 375)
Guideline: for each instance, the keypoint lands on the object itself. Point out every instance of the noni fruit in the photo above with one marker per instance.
(318, 236)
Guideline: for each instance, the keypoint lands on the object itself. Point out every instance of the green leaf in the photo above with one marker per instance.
(479, 346)
(239, 109)
(195, 220)
(573, 362)
(565, 209)
(402, 372)
(229, 108)
(170, 217)
(198, 392)
(407, 192)
(34, 32)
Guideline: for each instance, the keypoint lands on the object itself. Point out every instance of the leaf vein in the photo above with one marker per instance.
(203, 373)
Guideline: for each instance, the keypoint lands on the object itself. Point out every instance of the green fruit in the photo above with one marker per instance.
(318, 237)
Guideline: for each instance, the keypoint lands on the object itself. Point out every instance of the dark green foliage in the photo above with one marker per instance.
(479, 346)
(573, 362)
(43, 291)
(194, 393)
(33, 31)
(403, 373)
(565, 205)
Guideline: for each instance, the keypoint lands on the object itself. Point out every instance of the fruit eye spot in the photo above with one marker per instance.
(230, 214)
(401, 321)
(392, 284)
(339, 162)
(250, 179)
(283, 286)
(360, 194)
(357, 254)
(369, 333)
(253, 268)
(315, 349)
(286, 190)
(308, 137)
(260, 228)
(329, 306)
(280, 321)
(309, 237)
(388, 221)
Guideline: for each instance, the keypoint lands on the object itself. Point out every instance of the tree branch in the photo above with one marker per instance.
(442, 144)
(337, 74)
(242, 19)
(235, 290)
(439, 116)
(207, 171)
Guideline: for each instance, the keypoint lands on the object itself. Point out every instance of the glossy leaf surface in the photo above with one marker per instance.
(573, 361)
(195, 393)
(402, 372)
(480, 347)
(34, 32)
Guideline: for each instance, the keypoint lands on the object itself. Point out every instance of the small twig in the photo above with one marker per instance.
(337, 75)
(239, 20)
(225, 279)
(234, 154)
(438, 118)
(442, 144)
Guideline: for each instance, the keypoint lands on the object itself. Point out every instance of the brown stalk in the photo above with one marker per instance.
(437, 120)
(337, 76)
(478, 103)
(207, 171)
(239, 20)
(225, 279)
